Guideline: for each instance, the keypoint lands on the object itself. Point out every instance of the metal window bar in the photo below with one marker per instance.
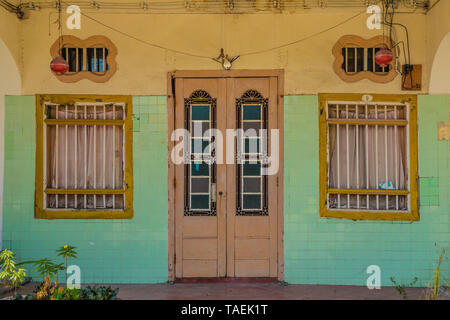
(85, 155)
(95, 155)
(114, 157)
(376, 156)
(367, 157)
(338, 156)
(365, 62)
(348, 154)
(346, 60)
(395, 122)
(57, 155)
(386, 155)
(103, 60)
(396, 157)
(357, 156)
(104, 155)
(66, 150)
(123, 153)
(62, 119)
(76, 155)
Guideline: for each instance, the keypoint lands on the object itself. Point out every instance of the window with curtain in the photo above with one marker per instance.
(369, 167)
(85, 165)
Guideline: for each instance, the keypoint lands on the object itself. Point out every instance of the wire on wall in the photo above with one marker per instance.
(210, 58)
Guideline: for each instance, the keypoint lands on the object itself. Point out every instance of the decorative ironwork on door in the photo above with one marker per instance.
(200, 155)
(251, 154)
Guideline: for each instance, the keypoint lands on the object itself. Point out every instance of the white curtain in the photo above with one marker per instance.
(84, 158)
(387, 151)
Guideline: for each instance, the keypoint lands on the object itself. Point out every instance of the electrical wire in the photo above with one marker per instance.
(141, 40)
(305, 38)
(208, 57)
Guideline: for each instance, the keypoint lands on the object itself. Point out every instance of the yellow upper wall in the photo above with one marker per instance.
(10, 34)
(142, 69)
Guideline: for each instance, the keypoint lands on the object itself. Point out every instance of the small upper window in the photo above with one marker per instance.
(93, 58)
(355, 59)
(86, 59)
(362, 59)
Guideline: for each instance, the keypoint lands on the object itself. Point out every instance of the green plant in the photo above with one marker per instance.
(47, 268)
(66, 251)
(11, 273)
(45, 289)
(24, 297)
(66, 294)
(433, 290)
(401, 287)
(98, 293)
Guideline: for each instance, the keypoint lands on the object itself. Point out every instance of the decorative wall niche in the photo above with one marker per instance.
(93, 58)
(355, 59)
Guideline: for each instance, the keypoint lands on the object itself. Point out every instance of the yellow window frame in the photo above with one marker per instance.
(40, 212)
(413, 212)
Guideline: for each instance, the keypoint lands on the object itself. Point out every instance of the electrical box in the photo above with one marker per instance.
(412, 77)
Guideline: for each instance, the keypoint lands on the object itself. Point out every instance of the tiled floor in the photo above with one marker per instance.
(253, 291)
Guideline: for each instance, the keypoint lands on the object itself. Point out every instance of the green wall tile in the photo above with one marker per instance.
(334, 251)
(110, 251)
(317, 251)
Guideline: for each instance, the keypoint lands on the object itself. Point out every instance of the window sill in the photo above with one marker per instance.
(83, 214)
(370, 215)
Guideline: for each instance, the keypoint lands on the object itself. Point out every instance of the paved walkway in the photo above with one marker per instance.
(257, 291)
(253, 291)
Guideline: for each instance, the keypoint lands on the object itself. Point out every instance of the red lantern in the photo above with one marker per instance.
(384, 57)
(59, 65)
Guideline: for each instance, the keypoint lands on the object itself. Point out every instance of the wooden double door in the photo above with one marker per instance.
(226, 196)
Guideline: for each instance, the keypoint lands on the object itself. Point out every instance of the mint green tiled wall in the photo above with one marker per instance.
(317, 251)
(110, 251)
(334, 251)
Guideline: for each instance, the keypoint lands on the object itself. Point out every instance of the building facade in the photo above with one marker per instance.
(354, 170)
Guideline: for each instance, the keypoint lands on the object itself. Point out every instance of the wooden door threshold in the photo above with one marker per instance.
(227, 280)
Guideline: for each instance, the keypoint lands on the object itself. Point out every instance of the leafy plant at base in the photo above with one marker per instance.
(433, 291)
(98, 293)
(67, 251)
(401, 287)
(45, 289)
(47, 268)
(10, 271)
(66, 294)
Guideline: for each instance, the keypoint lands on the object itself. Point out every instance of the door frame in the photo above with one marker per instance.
(171, 76)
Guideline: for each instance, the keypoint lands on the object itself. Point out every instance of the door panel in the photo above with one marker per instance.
(226, 212)
(200, 226)
(252, 236)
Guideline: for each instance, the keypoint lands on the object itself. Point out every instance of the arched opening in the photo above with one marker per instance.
(10, 84)
(440, 71)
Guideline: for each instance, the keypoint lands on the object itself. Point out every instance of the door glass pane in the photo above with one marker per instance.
(252, 185)
(251, 201)
(200, 113)
(200, 169)
(251, 145)
(200, 146)
(251, 112)
(200, 202)
(200, 185)
(251, 128)
(251, 169)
